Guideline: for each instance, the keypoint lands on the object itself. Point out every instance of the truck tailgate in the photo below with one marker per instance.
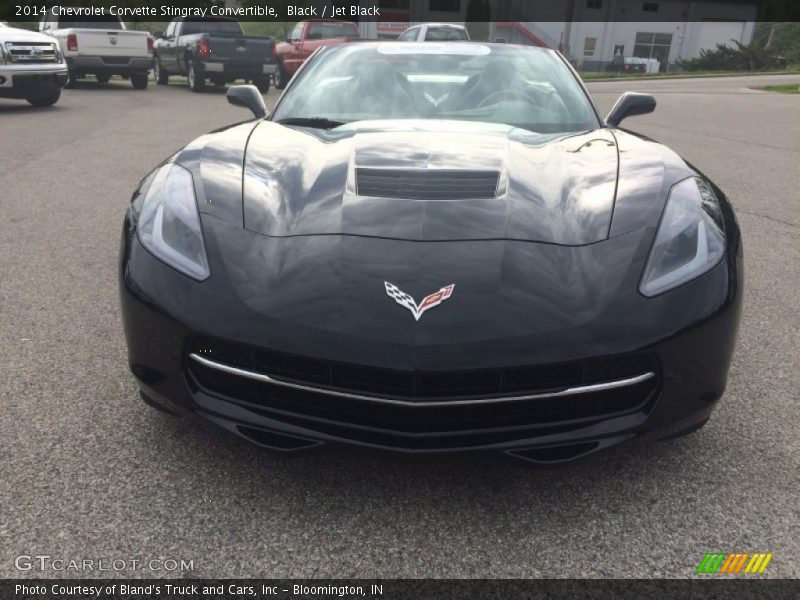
(101, 42)
(241, 48)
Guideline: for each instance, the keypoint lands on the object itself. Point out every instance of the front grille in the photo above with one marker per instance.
(420, 385)
(425, 184)
(31, 52)
(435, 413)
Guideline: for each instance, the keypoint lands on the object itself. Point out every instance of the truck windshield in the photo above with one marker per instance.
(327, 31)
(90, 23)
(526, 87)
(224, 26)
(440, 34)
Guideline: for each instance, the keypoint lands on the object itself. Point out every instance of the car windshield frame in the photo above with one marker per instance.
(554, 81)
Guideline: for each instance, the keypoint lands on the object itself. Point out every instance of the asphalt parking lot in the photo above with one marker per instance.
(90, 472)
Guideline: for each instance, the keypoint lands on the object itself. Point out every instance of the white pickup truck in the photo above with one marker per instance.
(101, 47)
(31, 67)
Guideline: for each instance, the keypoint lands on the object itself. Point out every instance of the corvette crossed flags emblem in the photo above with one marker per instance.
(429, 301)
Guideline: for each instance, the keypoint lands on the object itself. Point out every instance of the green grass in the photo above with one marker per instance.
(590, 75)
(787, 88)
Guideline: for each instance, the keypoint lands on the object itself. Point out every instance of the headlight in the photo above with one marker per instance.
(690, 239)
(169, 223)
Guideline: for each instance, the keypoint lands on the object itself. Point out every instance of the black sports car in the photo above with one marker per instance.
(427, 248)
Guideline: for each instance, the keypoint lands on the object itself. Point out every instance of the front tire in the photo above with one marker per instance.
(72, 80)
(162, 77)
(281, 77)
(197, 82)
(139, 81)
(46, 100)
(262, 83)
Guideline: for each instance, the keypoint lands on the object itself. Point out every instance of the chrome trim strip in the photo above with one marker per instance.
(583, 389)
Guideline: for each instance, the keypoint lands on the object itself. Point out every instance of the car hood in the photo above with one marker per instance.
(430, 181)
(12, 34)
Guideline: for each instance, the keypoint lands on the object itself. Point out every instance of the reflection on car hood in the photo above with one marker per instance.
(557, 190)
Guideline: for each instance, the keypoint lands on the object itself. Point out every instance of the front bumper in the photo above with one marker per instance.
(22, 82)
(688, 359)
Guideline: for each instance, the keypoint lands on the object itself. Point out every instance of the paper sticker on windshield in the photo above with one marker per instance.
(435, 48)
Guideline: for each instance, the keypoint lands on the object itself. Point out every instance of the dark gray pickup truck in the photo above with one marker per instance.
(214, 49)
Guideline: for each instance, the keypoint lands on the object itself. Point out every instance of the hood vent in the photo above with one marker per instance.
(427, 184)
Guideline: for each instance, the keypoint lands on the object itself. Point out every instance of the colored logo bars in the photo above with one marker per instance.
(736, 562)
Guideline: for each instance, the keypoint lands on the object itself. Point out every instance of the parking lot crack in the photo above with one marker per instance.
(776, 220)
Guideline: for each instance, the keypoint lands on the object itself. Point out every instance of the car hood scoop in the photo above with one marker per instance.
(427, 182)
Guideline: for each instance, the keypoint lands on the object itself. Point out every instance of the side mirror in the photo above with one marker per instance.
(630, 104)
(248, 96)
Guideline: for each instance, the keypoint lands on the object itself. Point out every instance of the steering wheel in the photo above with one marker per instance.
(501, 93)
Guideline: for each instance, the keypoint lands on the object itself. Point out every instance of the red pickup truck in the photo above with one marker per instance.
(306, 37)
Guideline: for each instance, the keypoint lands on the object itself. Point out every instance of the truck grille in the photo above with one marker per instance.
(409, 409)
(31, 52)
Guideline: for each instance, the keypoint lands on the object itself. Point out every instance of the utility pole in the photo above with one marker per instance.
(569, 14)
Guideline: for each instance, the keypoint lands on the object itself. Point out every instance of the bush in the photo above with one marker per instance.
(741, 57)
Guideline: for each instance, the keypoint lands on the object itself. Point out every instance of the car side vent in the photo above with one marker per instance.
(425, 184)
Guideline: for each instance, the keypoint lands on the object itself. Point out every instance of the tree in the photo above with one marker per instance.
(479, 14)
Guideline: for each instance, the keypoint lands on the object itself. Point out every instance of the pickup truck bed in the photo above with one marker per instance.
(101, 47)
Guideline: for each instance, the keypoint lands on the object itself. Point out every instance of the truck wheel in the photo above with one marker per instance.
(262, 83)
(45, 100)
(281, 77)
(197, 82)
(103, 78)
(139, 81)
(72, 79)
(162, 77)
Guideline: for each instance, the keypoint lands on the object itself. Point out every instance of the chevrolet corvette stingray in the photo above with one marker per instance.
(433, 247)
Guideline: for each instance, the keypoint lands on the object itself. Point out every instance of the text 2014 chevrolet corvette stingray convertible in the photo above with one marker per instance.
(430, 248)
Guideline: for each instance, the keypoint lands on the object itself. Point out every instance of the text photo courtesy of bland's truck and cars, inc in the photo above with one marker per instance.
(266, 10)
(194, 590)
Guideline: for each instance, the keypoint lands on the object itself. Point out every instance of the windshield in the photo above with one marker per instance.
(326, 31)
(438, 34)
(100, 22)
(211, 25)
(522, 86)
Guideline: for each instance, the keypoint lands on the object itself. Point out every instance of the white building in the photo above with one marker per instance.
(591, 32)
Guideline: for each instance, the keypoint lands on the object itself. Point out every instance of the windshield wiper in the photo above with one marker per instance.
(313, 122)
